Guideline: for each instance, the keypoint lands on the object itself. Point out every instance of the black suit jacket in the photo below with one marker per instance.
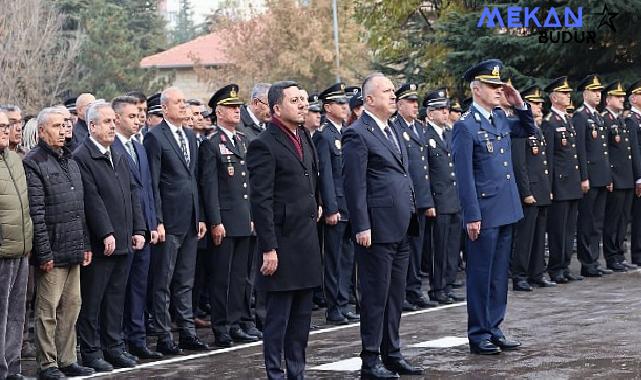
(111, 199)
(592, 147)
(284, 203)
(378, 188)
(174, 182)
(530, 168)
(563, 162)
(247, 125)
(624, 152)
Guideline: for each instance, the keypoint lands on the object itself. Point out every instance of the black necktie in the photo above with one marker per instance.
(183, 145)
(390, 137)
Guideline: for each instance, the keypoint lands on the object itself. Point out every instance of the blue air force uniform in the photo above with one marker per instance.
(414, 141)
(531, 171)
(563, 166)
(633, 122)
(487, 190)
(337, 242)
(625, 165)
(594, 165)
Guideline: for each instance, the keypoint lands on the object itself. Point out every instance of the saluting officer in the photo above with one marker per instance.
(223, 185)
(563, 166)
(446, 224)
(412, 132)
(489, 200)
(624, 161)
(531, 173)
(596, 177)
(633, 122)
(339, 249)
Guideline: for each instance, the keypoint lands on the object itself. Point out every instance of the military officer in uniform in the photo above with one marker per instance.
(412, 132)
(596, 178)
(623, 147)
(563, 166)
(633, 123)
(223, 185)
(489, 200)
(532, 179)
(455, 111)
(339, 249)
(446, 224)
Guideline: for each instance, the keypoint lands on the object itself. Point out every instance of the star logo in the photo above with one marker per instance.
(606, 18)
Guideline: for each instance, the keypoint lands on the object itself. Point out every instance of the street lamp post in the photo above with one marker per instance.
(338, 59)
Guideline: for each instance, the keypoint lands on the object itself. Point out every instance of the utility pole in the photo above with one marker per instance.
(338, 58)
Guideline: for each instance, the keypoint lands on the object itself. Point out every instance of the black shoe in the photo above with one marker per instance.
(15, 376)
(423, 303)
(51, 373)
(168, 348)
(320, 302)
(99, 365)
(402, 367)
(351, 316)
(455, 297)
(250, 329)
(560, 279)
(456, 284)
(315, 307)
(629, 266)
(75, 370)
(506, 344)
(378, 372)
(572, 277)
(121, 361)
(144, 353)
(408, 306)
(542, 282)
(222, 340)
(521, 286)
(442, 299)
(604, 270)
(130, 356)
(617, 267)
(485, 347)
(238, 335)
(422, 274)
(192, 343)
(591, 273)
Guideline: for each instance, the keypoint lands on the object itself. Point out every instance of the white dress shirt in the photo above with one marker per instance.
(174, 132)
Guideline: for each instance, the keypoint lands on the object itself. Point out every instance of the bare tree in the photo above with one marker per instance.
(36, 55)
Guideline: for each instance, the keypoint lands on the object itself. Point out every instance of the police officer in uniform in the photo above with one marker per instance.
(455, 111)
(633, 122)
(531, 173)
(339, 249)
(446, 224)
(596, 178)
(489, 200)
(412, 132)
(563, 166)
(624, 161)
(223, 185)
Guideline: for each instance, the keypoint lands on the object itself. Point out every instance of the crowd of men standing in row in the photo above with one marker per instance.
(143, 212)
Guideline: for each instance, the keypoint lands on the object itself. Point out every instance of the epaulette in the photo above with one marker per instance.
(240, 133)
(548, 116)
(580, 109)
(465, 114)
(393, 119)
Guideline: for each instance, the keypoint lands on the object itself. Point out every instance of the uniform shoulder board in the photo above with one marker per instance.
(393, 119)
(548, 116)
(580, 109)
(240, 133)
(465, 114)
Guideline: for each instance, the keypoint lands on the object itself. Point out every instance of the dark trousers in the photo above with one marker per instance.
(173, 266)
(383, 270)
(228, 265)
(635, 247)
(561, 228)
(488, 261)
(246, 315)
(135, 297)
(617, 213)
(289, 315)
(338, 267)
(446, 230)
(590, 227)
(103, 285)
(528, 256)
(428, 249)
(200, 291)
(417, 246)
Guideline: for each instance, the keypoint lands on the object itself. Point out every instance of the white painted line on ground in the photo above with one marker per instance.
(351, 364)
(184, 358)
(445, 342)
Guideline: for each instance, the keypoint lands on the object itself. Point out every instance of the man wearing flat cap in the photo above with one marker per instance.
(596, 177)
(563, 168)
(489, 199)
(623, 148)
(445, 226)
(531, 173)
(339, 249)
(414, 140)
(633, 123)
(225, 196)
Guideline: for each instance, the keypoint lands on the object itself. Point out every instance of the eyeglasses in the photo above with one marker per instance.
(261, 102)
(4, 126)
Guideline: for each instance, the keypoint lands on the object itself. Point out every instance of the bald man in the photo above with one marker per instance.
(80, 129)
